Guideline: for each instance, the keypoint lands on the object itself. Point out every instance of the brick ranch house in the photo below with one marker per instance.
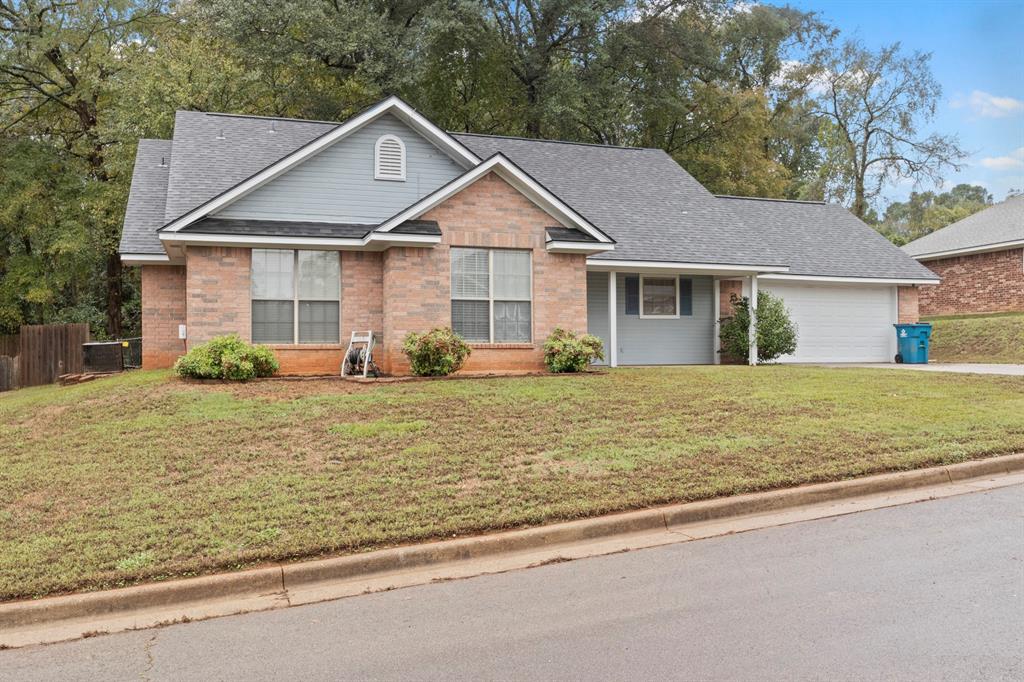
(980, 260)
(295, 233)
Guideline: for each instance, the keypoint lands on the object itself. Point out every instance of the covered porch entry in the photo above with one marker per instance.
(660, 315)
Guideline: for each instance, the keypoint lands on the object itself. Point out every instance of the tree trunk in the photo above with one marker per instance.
(114, 295)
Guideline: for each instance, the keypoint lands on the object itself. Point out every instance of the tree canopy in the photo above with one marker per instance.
(751, 99)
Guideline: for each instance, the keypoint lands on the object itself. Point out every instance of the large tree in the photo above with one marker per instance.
(873, 106)
(59, 63)
(925, 212)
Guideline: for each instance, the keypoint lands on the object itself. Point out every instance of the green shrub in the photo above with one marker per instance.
(776, 333)
(227, 357)
(564, 351)
(437, 353)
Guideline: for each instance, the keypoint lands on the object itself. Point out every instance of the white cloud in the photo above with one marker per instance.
(1014, 159)
(988, 105)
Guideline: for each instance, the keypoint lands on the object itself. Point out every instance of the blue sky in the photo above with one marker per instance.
(977, 51)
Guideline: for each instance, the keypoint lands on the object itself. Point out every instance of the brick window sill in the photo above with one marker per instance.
(504, 346)
(305, 346)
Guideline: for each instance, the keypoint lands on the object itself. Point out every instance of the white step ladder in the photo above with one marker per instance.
(359, 356)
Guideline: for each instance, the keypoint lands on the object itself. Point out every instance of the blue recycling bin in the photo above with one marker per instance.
(912, 343)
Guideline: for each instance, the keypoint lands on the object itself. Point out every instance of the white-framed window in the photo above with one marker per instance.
(492, 295)
(389, 158)
(659, 297)
(296, 296)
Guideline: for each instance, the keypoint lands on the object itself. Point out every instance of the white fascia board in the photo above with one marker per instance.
(987, 248)
(556, 246)
(144, 258)
(601, 264)
(511, 173)
(391, 105)
(369, 243)
(849, 280)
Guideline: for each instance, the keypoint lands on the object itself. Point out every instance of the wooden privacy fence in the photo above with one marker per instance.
(43, 353)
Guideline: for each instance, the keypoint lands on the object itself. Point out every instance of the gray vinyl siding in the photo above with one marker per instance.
(684, 341)
(597, 309)
(337, 185)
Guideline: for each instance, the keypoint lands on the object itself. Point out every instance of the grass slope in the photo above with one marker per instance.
(978, 338)
(142, 477)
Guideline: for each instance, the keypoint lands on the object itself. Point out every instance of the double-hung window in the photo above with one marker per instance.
(492, 295)
(659, 297)
(295, 296)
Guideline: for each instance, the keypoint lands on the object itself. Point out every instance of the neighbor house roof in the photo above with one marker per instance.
(641, 198)
(1001, 226)
(822, 239)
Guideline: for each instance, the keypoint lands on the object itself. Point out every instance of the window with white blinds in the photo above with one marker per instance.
(389, 158)
(492, 291)
(295, 295)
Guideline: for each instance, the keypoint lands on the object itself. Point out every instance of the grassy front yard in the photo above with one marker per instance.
(978, 338)
(142, 477)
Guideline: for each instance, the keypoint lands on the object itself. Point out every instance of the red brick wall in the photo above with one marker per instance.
(979, 283)
(217, 292)
(726, 288)
(163, 309)
(908, 298)
(492, 214)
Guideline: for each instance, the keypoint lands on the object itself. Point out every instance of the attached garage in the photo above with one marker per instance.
(840, 322)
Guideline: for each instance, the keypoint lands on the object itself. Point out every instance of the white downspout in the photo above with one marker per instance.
(753, 320)
(613, 323)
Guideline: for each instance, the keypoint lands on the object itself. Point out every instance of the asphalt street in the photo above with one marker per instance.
(928, 591)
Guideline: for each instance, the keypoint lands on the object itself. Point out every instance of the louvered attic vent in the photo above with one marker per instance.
(389, 158)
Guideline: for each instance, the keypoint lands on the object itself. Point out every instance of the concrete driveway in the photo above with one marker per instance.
(961, 367)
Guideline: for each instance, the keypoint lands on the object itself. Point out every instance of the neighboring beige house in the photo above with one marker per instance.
(295, 233)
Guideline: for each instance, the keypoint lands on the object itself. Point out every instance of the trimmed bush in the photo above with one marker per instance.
(564, 351)
(776, 333)
(227, 357)
(437, 353)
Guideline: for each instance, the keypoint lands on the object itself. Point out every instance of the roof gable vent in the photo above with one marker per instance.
(389, 158)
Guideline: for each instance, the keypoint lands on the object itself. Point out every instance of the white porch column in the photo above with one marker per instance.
(752, 359)
(716, 292)
(613, 322)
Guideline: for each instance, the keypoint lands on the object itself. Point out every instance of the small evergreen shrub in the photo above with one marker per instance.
(776, 333)
(564, 351)
(227, 357)
(437, 353)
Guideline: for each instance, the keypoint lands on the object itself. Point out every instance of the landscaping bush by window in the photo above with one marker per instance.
(437, 353)
(227, 357)
(564, 351)
(776, 333)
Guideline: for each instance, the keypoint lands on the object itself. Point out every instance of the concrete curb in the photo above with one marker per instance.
(276, 580)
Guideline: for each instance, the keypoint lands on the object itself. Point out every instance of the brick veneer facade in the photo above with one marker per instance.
(490, 213)
(908, 310)
(211, 293)
(977, 283)
(163, 309)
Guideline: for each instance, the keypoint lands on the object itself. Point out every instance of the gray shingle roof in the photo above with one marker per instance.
(145, 211)
(825, 240)
(296, 228)
(568, 234)
(1001, 223)
(641, 198)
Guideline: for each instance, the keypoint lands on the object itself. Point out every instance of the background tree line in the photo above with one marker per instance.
(750, 99)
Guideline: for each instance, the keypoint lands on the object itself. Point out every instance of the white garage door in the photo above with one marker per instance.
(839, 322)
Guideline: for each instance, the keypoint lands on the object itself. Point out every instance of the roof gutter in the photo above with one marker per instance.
(851, 280)
(606, 265)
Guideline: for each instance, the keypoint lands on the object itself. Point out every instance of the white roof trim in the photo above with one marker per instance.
(984, 248)
(370, 242)
(851, 280)
(512, 174)
(604, 264)
(556, 246)
(144, 258)
(392, 105)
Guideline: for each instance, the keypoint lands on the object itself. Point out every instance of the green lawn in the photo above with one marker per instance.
(978, 338)
(143, 477)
